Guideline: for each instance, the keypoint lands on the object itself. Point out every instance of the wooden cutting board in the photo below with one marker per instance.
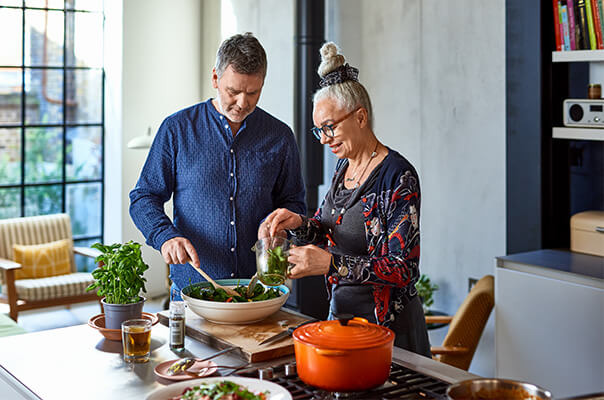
(246, 337)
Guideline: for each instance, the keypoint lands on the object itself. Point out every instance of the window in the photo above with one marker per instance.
(51, 112)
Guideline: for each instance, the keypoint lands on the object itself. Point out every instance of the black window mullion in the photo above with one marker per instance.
(23, 106)
(64, 147)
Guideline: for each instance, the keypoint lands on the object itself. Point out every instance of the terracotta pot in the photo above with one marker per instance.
(345, 355)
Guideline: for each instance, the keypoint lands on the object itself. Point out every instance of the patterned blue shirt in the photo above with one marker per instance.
(222, 185)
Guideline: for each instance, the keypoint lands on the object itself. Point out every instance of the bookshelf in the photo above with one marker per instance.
(578, 56)
(595, 60)
(578, 133)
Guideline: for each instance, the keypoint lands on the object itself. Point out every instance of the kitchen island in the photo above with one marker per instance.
(76, 362)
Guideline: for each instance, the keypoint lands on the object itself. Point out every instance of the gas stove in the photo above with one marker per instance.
(403, 383)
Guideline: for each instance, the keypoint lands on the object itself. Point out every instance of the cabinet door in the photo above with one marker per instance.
(549, 332)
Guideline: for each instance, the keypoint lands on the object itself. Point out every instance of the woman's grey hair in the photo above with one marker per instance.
(244, 53)
(349, 94)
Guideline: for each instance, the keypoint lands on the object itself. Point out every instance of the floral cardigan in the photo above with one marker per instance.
(391, 209)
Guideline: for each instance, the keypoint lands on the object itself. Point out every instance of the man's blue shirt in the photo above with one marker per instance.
(222, 187)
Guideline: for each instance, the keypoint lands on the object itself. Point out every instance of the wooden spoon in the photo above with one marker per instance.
(228, 290)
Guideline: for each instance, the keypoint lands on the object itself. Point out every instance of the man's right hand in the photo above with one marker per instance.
(179, 250)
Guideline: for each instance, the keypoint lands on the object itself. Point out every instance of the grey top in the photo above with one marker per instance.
(349, 236)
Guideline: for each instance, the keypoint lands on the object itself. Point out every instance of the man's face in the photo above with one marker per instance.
(238, 93)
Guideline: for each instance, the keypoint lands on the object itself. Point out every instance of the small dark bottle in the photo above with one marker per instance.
(177, 325)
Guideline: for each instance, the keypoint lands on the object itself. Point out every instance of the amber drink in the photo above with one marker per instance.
(136, 339)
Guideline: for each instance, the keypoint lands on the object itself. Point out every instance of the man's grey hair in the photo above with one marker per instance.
(244, 53)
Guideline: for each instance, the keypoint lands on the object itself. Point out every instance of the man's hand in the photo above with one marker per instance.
(308, 260)
(179, 250)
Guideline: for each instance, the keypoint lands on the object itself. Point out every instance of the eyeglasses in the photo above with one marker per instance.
(327, 129)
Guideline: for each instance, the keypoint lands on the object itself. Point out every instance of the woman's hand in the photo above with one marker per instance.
(277, 222)
(308, 260)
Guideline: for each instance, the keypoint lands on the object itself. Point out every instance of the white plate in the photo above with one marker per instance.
(276, 392)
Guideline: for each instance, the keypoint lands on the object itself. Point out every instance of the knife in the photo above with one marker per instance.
(286, 333)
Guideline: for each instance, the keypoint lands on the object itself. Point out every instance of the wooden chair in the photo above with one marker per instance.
(466, 326)
(28, 294)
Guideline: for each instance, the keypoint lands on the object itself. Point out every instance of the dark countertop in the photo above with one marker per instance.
(583, 265)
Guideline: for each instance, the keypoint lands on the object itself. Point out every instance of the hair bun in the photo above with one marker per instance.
(330, 59)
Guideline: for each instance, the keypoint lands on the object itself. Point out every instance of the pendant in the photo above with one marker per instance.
(343, 210)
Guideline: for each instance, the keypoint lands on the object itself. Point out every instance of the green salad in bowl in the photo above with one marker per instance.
(209, 293)
(216, 306)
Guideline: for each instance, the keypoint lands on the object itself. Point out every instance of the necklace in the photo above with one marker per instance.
(356, 188)
(371, 157)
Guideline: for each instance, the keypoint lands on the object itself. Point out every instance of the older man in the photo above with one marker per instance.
(227, 164)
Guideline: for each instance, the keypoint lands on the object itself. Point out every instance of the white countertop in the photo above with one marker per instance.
(78, 362)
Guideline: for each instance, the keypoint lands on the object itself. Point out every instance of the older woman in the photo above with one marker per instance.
(365, 236)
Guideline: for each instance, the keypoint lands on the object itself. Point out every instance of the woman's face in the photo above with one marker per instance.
(346, 128)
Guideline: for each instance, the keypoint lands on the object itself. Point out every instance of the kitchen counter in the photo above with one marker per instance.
(77, 362)
(558, 264)
(548, 320)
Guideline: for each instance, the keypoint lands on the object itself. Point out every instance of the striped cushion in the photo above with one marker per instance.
(53, 287)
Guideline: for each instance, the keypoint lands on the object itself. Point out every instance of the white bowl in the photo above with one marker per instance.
(234, 313)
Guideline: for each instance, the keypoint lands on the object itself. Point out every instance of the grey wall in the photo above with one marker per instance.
(436, 73)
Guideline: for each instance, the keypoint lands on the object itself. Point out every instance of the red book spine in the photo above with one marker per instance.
(557, 26)
(597, 24)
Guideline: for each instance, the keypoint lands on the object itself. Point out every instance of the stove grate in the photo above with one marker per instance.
(403, 383)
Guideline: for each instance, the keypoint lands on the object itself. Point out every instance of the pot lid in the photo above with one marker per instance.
(345, 333)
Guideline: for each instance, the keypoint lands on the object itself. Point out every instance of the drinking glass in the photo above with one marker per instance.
(271, 260)
(136, 338)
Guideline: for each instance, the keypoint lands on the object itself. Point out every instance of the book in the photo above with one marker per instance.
(593, 44)
(561, 27)
(571, 24)
(557, 26)
(578, 31)
(565, 29)
(597, 23)
(582, 18)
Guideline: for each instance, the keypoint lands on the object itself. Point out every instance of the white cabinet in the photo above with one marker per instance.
(549, 320)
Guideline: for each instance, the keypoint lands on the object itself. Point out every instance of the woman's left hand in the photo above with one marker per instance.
(308, 260)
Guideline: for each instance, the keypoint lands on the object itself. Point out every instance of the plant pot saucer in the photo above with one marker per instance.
(98, 322)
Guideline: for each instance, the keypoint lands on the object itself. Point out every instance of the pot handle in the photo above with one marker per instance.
(331, 353)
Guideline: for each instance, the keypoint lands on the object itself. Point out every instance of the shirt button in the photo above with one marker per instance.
(221, 117)
(232, 222)
(232, 174)
(232, 151)
(232, 274)
(226, 126)
(232, 249)
(231, 198)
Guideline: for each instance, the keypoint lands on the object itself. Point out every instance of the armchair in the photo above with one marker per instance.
(466, 326)
(28, 294)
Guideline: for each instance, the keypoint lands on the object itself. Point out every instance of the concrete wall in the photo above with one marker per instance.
(435, 73)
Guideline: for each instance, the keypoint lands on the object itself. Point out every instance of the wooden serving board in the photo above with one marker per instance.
(246, 337)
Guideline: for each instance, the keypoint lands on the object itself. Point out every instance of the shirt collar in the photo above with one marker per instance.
(217, 114)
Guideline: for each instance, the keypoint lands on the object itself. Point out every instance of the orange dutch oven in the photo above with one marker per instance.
(345, 355)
